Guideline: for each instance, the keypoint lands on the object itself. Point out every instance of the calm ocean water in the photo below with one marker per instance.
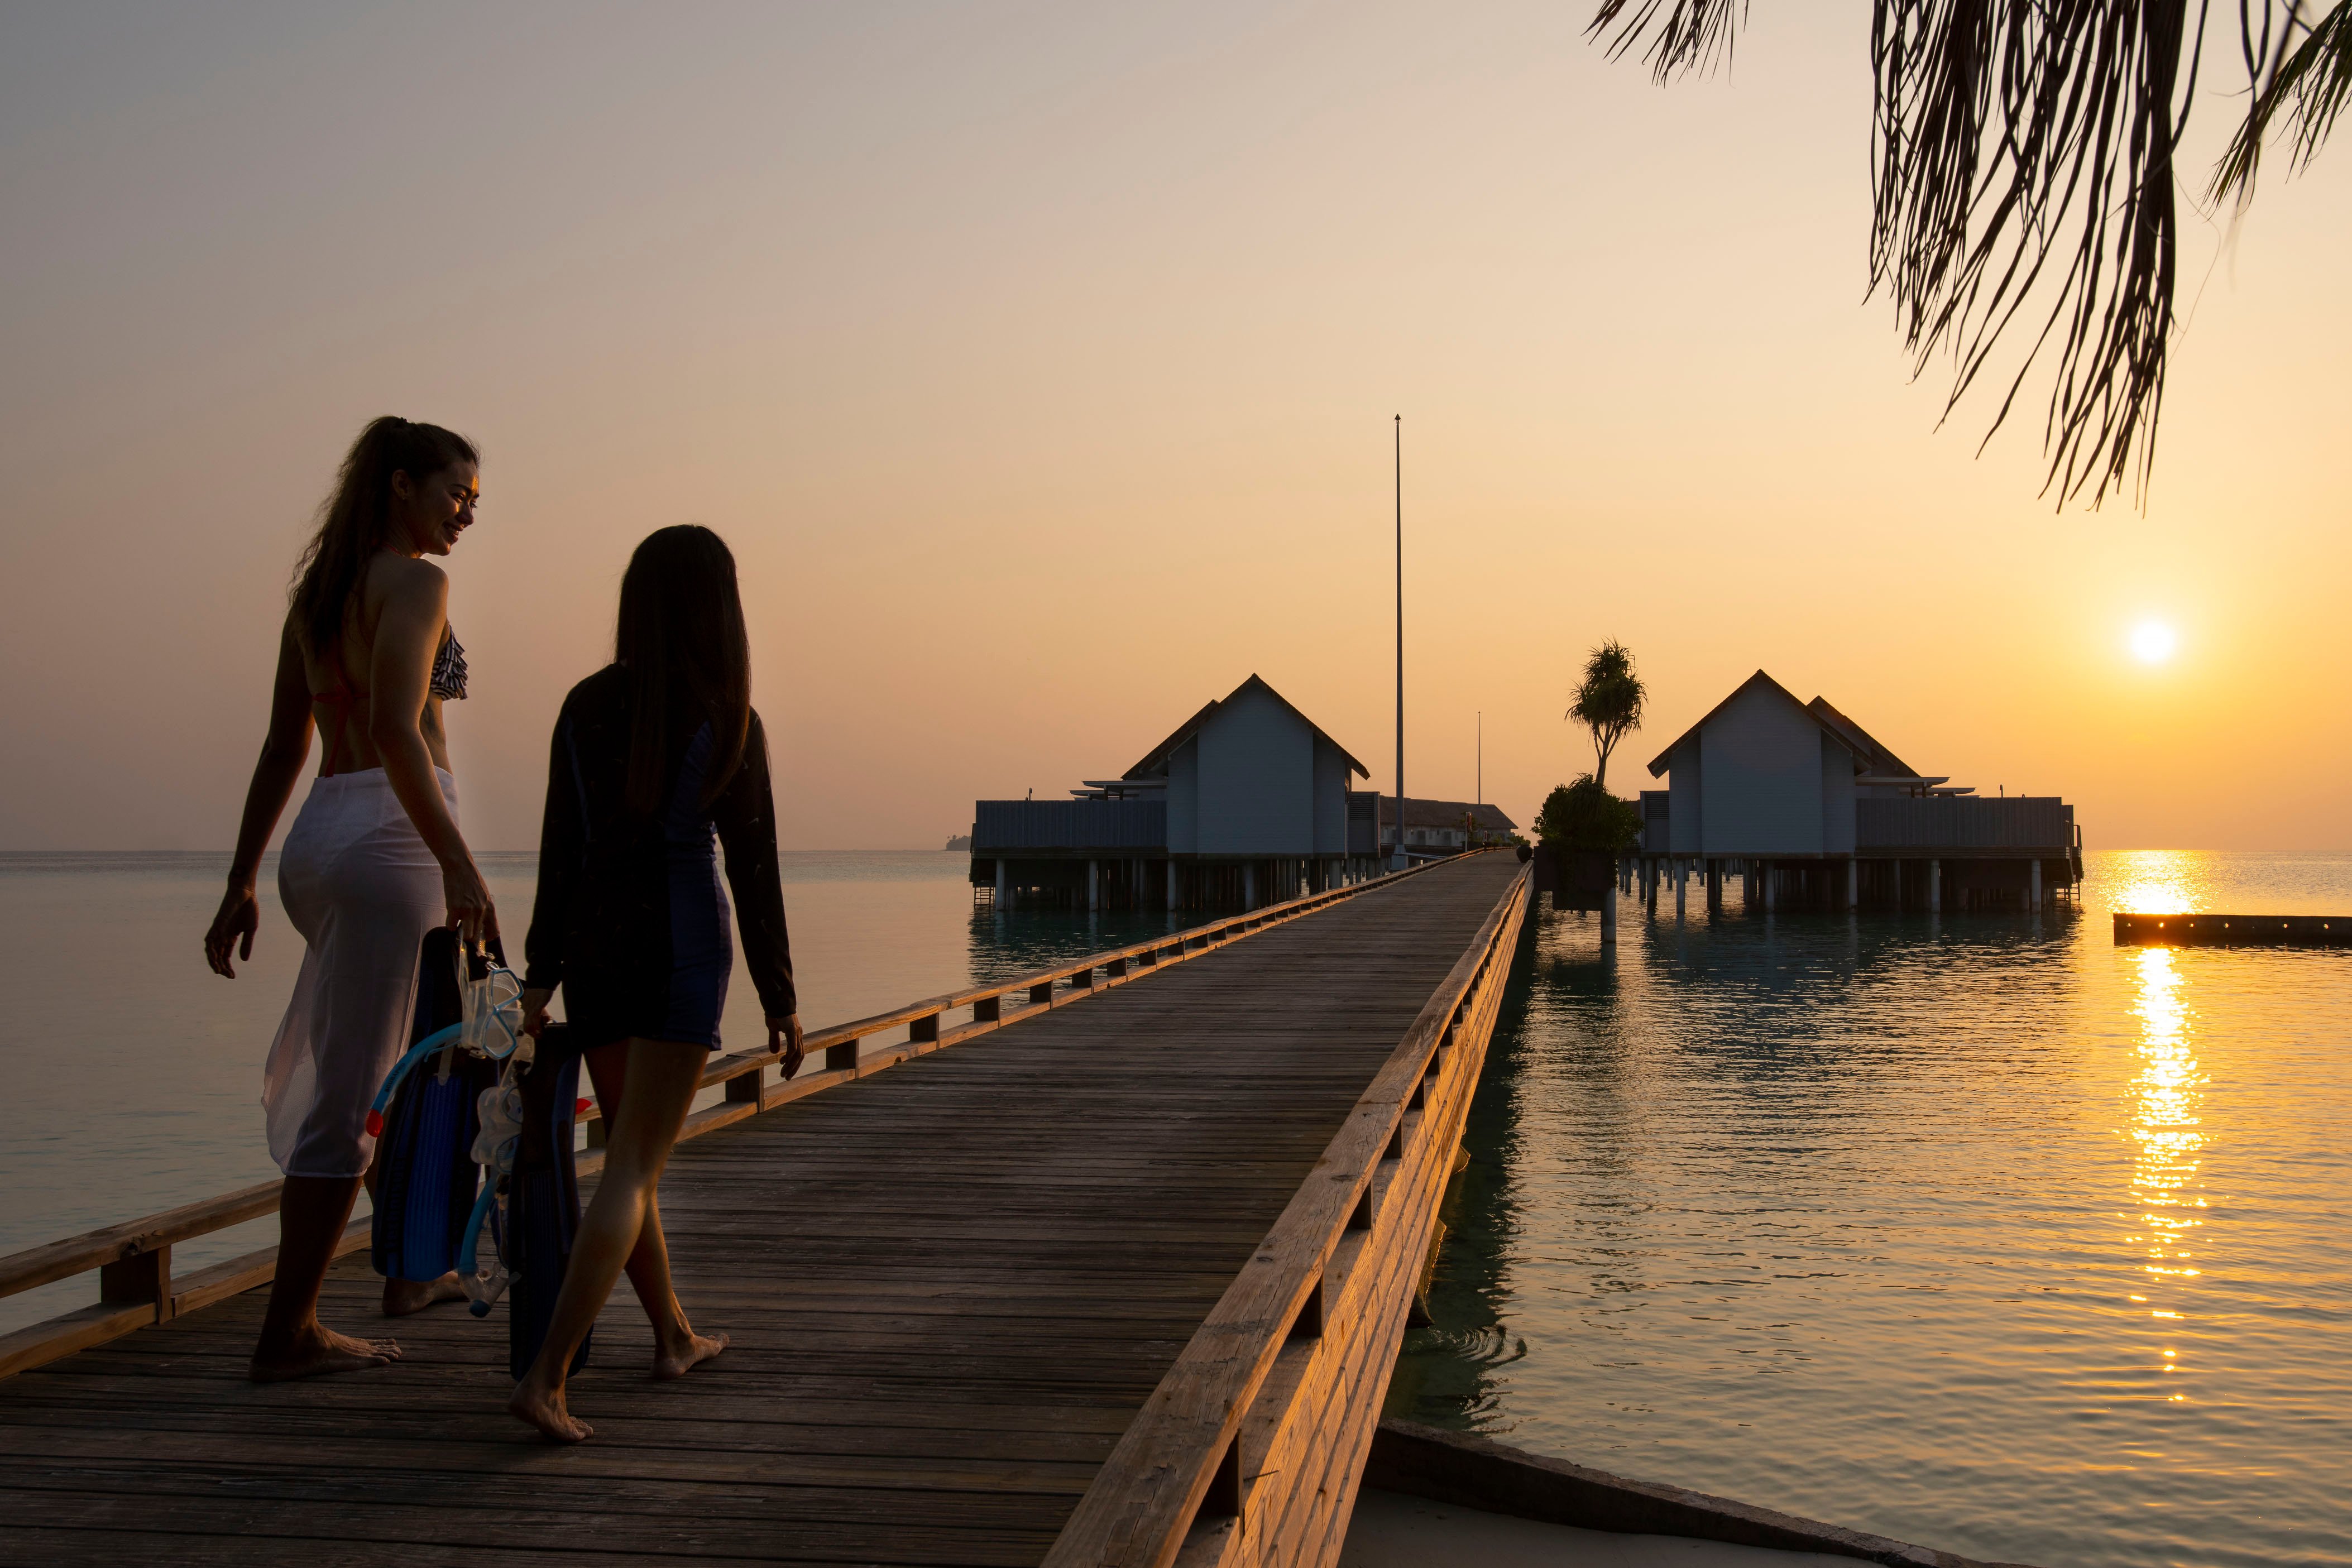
(1981, 1233)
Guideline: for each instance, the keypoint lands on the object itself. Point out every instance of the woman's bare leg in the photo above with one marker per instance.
(311, 1214)
(677, 1347)
(404, 1296)
(658, 1087)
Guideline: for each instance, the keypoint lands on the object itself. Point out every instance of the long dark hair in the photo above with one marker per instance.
(356, 521)
(682, 641)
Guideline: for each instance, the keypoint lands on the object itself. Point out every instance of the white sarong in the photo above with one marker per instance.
(362, 888)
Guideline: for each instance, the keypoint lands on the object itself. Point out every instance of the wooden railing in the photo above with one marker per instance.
(1250, 1448)
(133, 1261)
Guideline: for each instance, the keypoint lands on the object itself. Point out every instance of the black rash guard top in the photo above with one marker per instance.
(631, 921)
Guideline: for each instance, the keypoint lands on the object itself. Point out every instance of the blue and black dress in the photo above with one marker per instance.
(631, 921)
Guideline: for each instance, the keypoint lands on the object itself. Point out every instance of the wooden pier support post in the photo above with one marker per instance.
(1767, 871)
(2037, 884)
(1003, 882)
(1249, 885)
(1852, 886)
(1682, 883)
(1609, 917)
(1935, 887)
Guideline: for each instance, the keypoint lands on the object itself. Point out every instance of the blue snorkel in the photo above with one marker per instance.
(475, 1028)
(414, 1054)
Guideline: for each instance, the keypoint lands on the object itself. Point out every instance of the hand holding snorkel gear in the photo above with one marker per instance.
(492, 1025)
(471, 914)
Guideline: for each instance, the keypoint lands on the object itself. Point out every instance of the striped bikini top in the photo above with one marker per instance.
(447, 683)
(448, 680)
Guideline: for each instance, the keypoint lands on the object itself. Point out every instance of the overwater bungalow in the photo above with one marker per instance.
(1245, 803)
(1811, 811)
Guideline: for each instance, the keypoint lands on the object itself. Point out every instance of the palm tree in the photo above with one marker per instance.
(2023, 177)
(1608, 702)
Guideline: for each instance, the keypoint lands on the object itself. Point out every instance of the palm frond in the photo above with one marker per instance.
(1684, 35)
(2314, 81)
(2023, 187)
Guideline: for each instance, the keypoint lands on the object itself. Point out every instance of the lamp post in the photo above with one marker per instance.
(1397, 861)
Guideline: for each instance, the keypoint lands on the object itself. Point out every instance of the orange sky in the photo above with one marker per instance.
(1038, 361)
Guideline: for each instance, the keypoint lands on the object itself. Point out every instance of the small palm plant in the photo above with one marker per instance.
(1608, 702)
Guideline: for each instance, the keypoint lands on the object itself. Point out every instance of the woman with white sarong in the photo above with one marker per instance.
(374, 860)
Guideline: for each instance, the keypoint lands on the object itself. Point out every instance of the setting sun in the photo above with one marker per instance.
(2153, 641)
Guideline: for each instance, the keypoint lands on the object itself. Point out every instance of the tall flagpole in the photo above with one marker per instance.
(1400, 618)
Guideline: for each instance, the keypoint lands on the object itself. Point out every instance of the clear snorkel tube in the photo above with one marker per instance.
(491, 1025)
(493, 1022)
(500, 1115)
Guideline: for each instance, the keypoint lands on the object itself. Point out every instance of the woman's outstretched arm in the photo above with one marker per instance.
(400, 677)
(283, 752)
(745, 815)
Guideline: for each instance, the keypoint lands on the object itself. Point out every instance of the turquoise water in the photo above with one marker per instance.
(1981, 1232)
(134, 1073)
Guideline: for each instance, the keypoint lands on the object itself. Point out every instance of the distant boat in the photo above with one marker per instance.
(959, 841)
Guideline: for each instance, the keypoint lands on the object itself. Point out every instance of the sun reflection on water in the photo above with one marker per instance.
(2159, 881)
(2166, 1097)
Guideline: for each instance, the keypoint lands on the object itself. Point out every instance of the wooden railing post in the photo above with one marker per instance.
(744, 1087)
(844, 1054)
(924, 1030)
(141, 1280)
(1224, 1496)
(1309, 1322)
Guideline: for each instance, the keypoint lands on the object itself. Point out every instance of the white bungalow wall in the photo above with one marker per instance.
(1837, 798)
(1257, 780)
(1184, 798)
(1685, 826)
(1762, 763)
(1330, 800)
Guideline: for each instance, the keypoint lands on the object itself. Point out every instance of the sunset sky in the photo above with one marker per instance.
(1038, 361)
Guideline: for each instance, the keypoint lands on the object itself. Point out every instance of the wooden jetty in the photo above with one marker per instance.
(1118, 1283)
(2234, 930)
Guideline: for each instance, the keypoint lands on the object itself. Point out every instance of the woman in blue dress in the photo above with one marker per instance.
(658, 760)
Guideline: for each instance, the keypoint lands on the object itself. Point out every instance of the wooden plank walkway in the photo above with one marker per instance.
(951, 1288)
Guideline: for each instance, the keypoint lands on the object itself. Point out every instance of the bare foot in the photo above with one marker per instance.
(319, 1353)
(401, 1297)
(545, 1411)
(698, 1349)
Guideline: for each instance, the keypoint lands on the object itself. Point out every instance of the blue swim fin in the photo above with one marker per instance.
(425, 1175)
